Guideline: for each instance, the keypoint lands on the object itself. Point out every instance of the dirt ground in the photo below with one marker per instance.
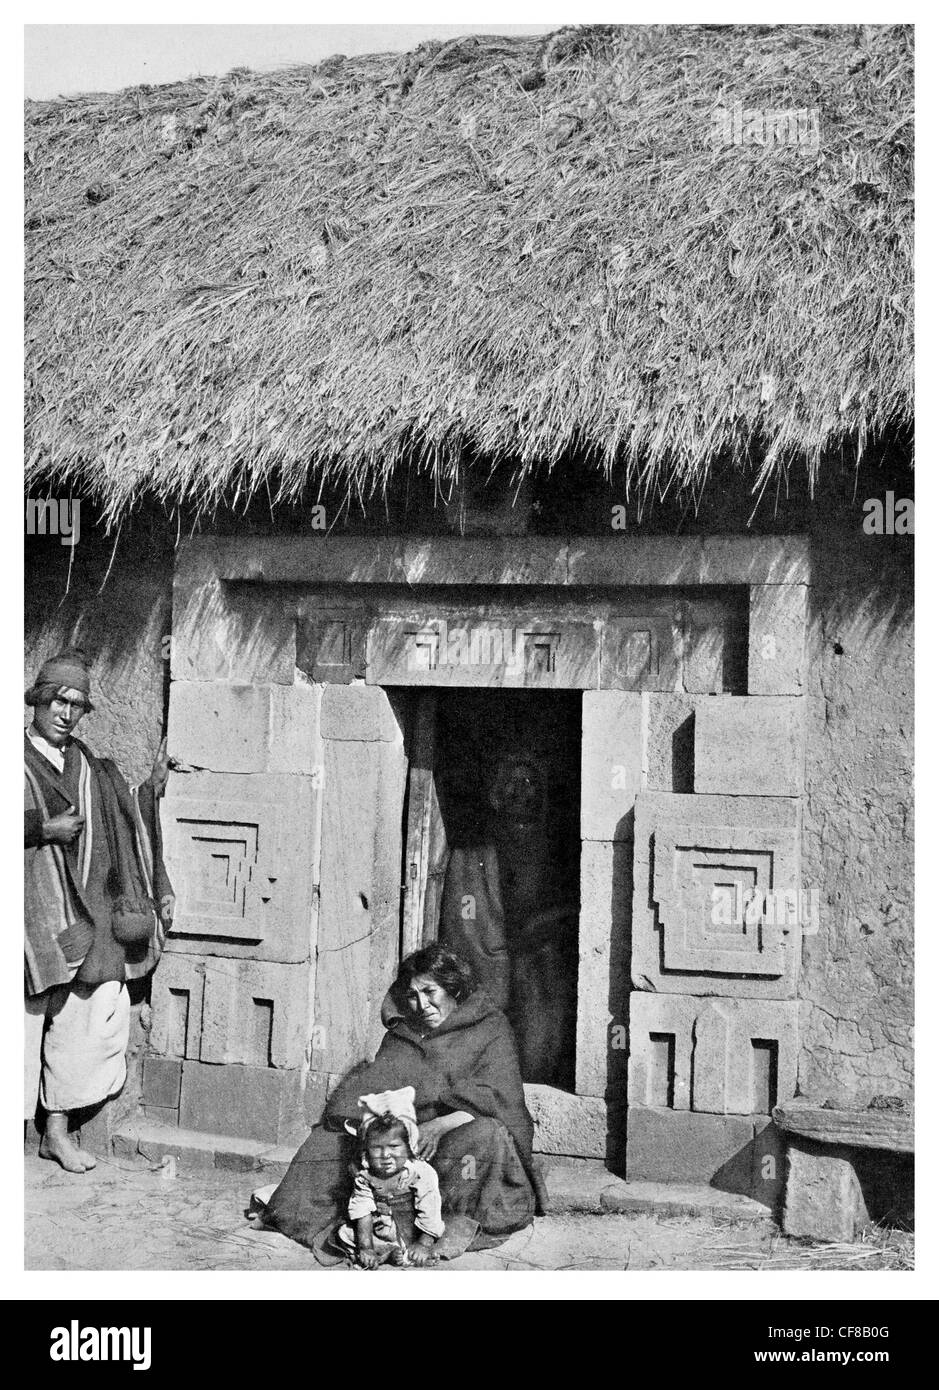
(127, 1216)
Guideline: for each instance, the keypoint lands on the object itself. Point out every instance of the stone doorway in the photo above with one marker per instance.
(293, 663)
(492, 853)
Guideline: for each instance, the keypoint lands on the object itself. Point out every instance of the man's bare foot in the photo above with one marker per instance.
(57, 1145)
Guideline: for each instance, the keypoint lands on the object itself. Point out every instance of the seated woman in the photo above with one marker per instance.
(447, 1039)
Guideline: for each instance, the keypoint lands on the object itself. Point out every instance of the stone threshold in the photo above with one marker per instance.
(574, 1185)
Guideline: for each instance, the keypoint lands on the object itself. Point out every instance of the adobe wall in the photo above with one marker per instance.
(121, 628)
(857, 977)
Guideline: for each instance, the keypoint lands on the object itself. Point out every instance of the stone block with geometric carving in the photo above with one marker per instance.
(642, 650)
(256, 1012)
(717, 905)
(716, 1056)
(240, 851)
(483, 651)
(238, 1011)
(176, 1003)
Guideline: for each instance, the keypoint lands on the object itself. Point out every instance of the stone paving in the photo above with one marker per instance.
(129, 1215)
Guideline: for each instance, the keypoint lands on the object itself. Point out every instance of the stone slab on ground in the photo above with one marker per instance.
(824, 1200)
(590, 1187)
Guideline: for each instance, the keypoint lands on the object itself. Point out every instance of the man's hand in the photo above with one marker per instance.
(64, 828)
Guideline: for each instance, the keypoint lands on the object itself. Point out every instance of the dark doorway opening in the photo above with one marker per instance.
(492, 853)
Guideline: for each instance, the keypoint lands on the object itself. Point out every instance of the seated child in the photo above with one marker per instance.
(394, 1210)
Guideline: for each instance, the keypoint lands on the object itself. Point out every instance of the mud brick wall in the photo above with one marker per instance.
(121, 628)
(857, 976)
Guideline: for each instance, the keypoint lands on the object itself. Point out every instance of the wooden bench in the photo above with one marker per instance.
(823, 1197)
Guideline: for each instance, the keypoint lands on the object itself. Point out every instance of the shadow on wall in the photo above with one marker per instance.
(857, 978)
(121, 627)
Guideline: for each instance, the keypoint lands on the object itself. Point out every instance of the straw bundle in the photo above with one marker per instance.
(516, 246)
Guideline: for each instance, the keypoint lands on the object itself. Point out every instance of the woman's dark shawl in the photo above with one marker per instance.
(468, 1063)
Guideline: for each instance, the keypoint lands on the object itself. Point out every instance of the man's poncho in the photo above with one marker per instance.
(82, 900)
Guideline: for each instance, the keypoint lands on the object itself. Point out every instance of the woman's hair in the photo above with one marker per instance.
(384, 1127)
(450, 971)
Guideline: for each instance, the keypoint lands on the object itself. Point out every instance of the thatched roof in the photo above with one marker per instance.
(511, 246)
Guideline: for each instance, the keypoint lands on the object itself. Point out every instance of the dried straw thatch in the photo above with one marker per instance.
(521, 247)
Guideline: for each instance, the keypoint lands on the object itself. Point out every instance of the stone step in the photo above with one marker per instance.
(581, 1187)
(193, 1149)
(574, 1186)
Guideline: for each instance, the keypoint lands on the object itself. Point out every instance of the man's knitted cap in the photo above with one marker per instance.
(65, 671)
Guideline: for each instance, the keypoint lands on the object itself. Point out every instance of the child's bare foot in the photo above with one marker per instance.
(57, 1145)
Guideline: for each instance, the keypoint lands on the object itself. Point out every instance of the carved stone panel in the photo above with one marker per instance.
(540, 655)
(642, 650)
(176, 1003)
(717, 907)
(331, 646)
(240, 853)
(252, 1012)
(255, 1012)
(719, 1056)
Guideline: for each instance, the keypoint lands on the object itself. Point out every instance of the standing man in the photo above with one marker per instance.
(98, 903)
